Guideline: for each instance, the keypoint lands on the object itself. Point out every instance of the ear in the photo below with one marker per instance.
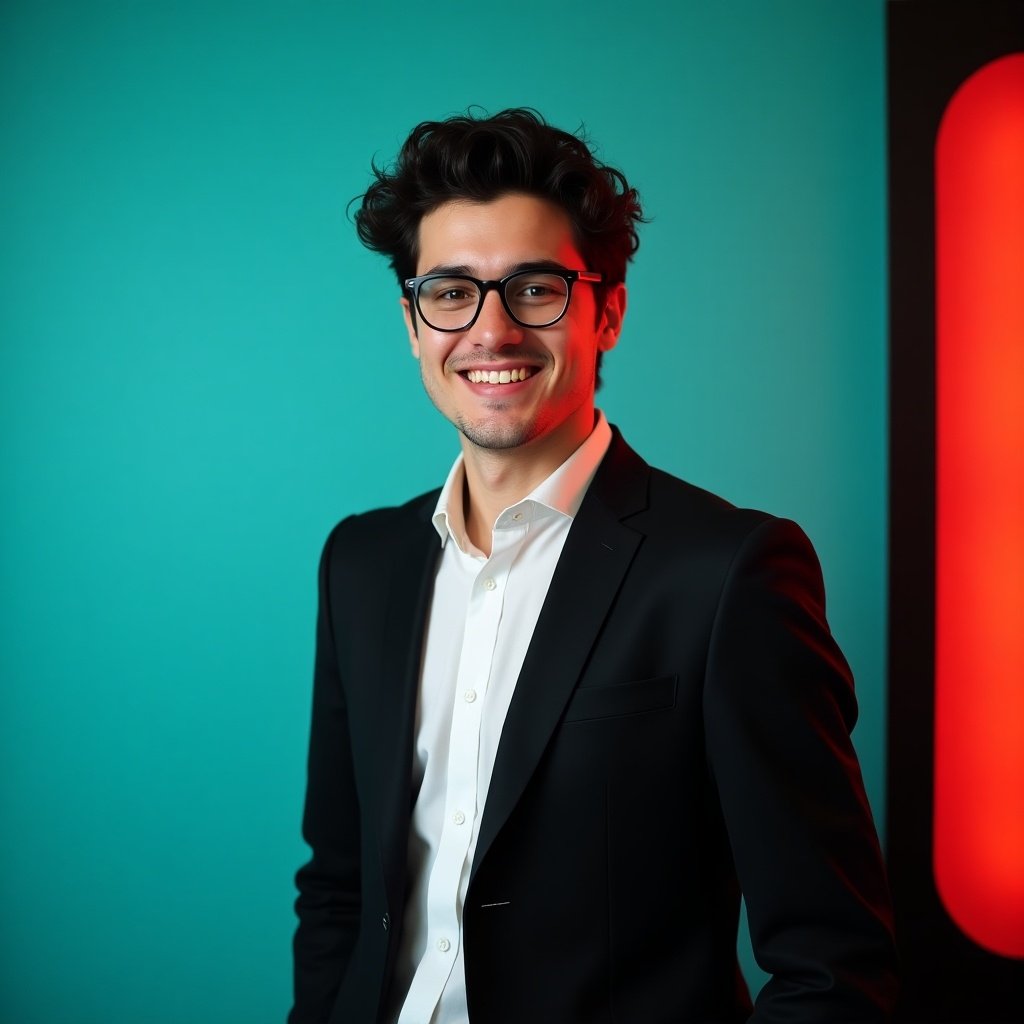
(609, 327)
(410, 326)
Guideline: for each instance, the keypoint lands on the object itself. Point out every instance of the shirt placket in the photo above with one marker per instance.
(462, 797)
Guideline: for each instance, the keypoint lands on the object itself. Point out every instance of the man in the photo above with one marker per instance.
(567, 708)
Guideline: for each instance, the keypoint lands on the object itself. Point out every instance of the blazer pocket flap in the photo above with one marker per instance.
(634, 698)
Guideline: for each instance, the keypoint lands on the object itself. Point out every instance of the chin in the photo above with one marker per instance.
(495, 437)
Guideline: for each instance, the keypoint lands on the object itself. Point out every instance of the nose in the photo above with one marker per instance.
(494, 328)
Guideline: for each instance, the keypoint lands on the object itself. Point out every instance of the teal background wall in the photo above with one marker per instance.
(201, 371)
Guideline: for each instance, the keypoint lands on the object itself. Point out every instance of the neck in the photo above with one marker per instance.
(499, 477)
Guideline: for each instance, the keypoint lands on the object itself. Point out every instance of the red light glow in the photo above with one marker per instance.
(979, 624)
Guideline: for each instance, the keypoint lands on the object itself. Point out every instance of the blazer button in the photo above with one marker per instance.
(385, 922)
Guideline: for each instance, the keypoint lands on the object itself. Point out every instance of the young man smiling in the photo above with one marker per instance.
(567, 708)
(514, 433)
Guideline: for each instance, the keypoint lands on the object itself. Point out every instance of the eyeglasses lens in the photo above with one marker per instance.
(536, 299)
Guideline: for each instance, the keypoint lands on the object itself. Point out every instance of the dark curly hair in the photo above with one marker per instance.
(483, 158)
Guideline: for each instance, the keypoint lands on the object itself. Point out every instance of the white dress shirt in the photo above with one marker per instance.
(481, 621)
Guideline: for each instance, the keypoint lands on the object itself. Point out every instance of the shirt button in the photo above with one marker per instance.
(444, 945)
(517, 516)
(470, 696)
(489, 584)
(458, 817)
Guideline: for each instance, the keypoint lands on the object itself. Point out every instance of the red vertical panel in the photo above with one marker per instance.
(979, 653)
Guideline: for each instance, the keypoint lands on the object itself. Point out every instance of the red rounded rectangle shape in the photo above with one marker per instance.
(979, 615)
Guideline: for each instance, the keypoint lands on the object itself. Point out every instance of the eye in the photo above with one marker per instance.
(537, 290)
(448, 293)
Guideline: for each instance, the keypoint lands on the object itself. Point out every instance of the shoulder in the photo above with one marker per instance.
(686, 528)
(658, 503)
(380, 532)
(709, 518)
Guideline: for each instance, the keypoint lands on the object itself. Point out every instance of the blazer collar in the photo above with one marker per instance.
(596, 557)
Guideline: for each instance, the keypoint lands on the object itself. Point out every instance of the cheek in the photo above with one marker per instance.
(433, 350)
(580, 351)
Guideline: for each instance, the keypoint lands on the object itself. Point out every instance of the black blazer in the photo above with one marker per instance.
(679, 732)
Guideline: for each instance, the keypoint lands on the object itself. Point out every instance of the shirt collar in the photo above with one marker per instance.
(561, 493)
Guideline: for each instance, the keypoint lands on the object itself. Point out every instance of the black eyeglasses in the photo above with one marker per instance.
(532, 298)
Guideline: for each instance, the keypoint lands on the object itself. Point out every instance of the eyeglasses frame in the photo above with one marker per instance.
(569, 276)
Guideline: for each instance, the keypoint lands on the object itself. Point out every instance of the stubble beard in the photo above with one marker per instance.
(483, 433)
(492, 436)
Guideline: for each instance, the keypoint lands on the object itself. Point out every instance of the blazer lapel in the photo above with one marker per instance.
(596, 557)
(412, 581)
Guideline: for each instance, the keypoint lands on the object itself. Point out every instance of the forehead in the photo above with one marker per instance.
(489, 238)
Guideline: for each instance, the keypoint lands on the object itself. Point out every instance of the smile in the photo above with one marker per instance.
(498, 376)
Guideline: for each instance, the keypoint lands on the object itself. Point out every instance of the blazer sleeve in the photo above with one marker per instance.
(779, 707)
(328, 904)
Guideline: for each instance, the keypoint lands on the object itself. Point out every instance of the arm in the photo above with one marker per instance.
(779, 707)
(328, 905)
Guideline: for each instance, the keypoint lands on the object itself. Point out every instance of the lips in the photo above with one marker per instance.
(498, 376)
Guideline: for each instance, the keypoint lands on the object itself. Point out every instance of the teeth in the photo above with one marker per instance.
(498, 376)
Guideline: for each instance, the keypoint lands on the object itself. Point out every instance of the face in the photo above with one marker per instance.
(548, 398)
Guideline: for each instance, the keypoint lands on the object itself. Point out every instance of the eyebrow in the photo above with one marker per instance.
(463, 270)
